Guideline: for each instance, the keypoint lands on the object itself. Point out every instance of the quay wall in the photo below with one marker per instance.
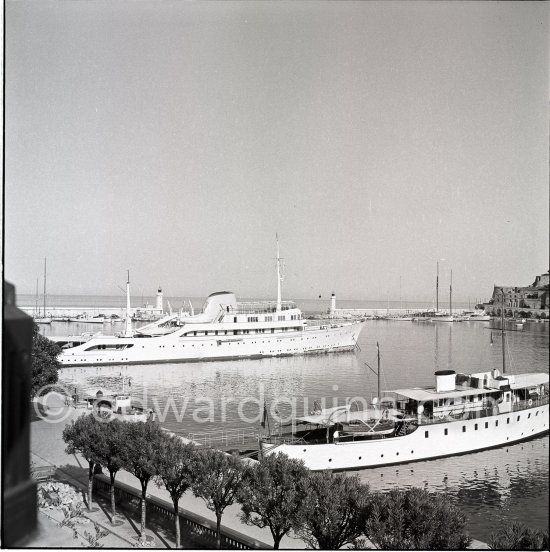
(388, 312)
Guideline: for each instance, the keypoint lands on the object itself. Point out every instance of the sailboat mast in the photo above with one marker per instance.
(503, 333)
(451, 295)
(278, 276)
(378, 369)
(400, 296)
(44, 286)
(437, 289)
(128, 328)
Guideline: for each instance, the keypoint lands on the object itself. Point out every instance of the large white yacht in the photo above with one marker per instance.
(224, 329)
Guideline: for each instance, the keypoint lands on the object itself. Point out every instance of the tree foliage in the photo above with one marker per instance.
(415, 519)
(111, 448)
(218, 480)
(334, 511)
(175, 463)
(45, 365)
(140, 456)
(517, 536)
(273, 494)
(83, 436)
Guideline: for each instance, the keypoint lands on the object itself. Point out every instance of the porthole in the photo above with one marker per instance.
(304, 450)
(381, 456)
(359, 457)
(412, 452)
(330, 459)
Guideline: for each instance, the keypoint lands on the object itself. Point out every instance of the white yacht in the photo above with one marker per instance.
(224, 329)
(479, 316)
(462, 413)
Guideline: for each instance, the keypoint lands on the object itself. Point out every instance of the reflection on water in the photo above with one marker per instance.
(492, 486)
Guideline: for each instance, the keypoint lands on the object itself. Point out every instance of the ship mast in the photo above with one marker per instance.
(451, 295)
(378, 368)
(279, 277)
(437, 289)
(44, 286)
(503, 333)
(128, 328)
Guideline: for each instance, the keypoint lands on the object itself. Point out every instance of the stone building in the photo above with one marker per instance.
(531, 301)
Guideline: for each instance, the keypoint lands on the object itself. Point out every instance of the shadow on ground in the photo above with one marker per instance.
(157, 524)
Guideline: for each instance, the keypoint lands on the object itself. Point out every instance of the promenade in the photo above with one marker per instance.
(48, 449)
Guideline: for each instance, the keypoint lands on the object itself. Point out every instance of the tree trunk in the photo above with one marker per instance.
(143, 506)
(113, 511)
(91, 466)
(177, 515)
(218, 531)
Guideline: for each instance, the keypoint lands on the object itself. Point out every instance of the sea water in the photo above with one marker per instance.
(492, 487)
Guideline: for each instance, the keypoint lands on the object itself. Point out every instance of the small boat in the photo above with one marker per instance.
(440, 317)
(479, 316)
(86, 319)
(399, 318)
(108, 406)
(43, 319)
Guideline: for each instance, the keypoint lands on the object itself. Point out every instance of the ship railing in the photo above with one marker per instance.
(225, 438)
(457, 415)
(489, 410)
(259, 307)
(279, 440)
(530, 403)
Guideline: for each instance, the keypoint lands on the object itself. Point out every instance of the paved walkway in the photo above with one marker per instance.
(48, 448)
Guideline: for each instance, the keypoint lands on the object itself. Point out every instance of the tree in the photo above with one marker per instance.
(111, 447)
(140, 456)
(174, 468)
(82, 436)
(517, 536)
(218, 478)
(273, 494)
(45, 365)
(415, 519)
(334, 510)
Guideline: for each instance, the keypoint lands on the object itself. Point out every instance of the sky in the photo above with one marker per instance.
(176, 139)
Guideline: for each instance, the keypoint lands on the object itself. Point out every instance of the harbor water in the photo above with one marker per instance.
(492, 487)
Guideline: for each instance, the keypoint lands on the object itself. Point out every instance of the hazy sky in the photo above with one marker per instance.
(175, 139)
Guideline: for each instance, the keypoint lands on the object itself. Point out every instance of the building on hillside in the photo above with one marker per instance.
(530, 301)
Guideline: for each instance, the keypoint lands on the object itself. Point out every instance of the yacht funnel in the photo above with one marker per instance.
(445, 380)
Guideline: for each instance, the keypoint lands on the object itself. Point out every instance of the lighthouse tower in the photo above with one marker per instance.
(159, 306)
(332, 310)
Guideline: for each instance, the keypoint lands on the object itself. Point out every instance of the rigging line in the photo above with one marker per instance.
(509, 350)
